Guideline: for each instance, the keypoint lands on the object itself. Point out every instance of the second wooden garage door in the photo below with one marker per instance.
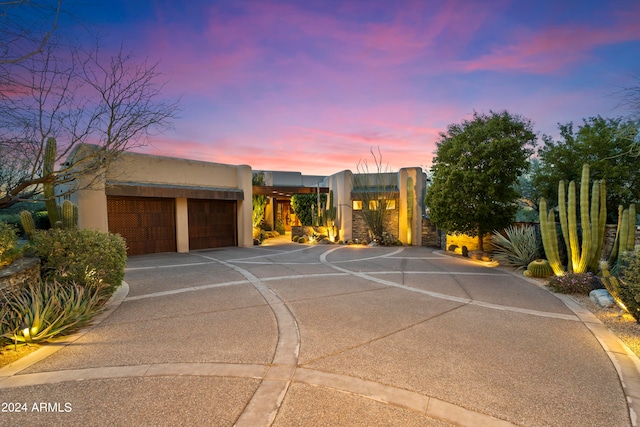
(212, 224)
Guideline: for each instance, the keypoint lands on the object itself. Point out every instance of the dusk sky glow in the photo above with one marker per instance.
(312, 86)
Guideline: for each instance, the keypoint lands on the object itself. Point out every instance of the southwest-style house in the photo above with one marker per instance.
(166, 204)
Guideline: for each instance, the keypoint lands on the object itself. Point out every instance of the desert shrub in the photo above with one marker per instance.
(44, 310)
(9, 250)
(575, 283)
(388, 239)
(625, 289)
(517, 247)
(303, 239)
(86, 257)
(630, 267)
(280, 227)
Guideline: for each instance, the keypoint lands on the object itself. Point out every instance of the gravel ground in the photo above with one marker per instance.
(620, 323)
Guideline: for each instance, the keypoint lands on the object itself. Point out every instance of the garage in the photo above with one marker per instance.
(212, 223)
(147, 224)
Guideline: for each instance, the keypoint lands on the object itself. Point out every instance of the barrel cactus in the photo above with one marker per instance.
(539, 268)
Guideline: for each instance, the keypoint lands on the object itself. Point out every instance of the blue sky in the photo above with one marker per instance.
(312, 86)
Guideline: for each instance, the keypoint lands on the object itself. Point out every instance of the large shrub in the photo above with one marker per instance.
(304, 205)
(9, 250)
(630, 267)
(517, 247)
(85, 257)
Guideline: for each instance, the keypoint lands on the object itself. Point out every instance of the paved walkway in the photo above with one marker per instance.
(298, 335)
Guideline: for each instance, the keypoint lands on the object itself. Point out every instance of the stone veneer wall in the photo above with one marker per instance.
(430, 234)
(20, 273)
(610, 237)
(361, 230)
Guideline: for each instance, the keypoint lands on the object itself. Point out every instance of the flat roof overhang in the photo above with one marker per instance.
(286, 191)
(137, 189)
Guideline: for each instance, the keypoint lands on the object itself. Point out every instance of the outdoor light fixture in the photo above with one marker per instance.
(26, 332)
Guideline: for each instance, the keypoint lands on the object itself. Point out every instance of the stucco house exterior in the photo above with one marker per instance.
(166, 204)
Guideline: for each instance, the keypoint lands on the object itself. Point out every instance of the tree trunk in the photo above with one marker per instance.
(480, 241)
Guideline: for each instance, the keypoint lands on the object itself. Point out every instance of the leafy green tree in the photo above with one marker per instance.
(259, 201)
(475, 170)
(599, 143)
(304, 206)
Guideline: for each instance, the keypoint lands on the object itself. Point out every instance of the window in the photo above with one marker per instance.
(391, 205)
(356, 205)
(374, 205)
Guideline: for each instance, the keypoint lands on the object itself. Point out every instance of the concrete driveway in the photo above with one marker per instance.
(298, 335)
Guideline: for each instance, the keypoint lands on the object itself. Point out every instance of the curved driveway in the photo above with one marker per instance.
(328, 335)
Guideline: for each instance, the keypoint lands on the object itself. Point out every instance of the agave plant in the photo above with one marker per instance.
(517, 247)
(41, 311)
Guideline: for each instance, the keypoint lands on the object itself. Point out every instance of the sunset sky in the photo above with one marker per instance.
(312, 86)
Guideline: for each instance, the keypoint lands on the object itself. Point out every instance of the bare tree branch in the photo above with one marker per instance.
(77, 97)
(20, 34)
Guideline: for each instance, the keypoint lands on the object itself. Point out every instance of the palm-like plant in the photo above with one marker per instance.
(41, 311)
(517, 247)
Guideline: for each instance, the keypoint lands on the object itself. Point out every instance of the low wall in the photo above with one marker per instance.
(20, 273)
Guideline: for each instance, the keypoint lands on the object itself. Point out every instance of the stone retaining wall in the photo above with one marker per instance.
(20, 273)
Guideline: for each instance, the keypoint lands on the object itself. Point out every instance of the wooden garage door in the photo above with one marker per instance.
(212, 223)
(147, 224)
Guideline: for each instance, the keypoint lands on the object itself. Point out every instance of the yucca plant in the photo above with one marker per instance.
(41, 311)
(517, 247)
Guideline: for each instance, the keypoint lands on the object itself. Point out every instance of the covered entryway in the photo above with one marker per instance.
(147, 224)
(212, 223)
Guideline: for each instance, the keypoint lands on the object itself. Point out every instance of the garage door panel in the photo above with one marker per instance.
(147, 224)
(212, 223)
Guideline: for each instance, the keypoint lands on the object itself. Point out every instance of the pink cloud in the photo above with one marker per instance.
(556, 48)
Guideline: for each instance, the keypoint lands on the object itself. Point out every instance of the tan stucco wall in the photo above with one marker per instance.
(341, 184)
(148, 169)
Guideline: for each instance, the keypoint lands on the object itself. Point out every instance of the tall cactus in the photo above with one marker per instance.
(616, 243)
(49, 159)
(69, 215)
(603, 220)
(625, 234)
(631, 236)
(564, 225)
(580, 255)
(585, 255)
(550, 238)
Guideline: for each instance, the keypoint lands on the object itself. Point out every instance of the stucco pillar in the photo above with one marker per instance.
(182, 225)
(92, 205)
(245, 207)
(342, 184)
